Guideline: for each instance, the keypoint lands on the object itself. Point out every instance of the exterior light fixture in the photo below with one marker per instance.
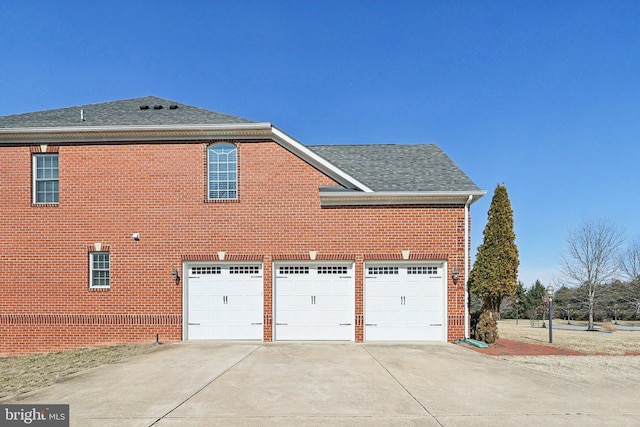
(550, 297)
(455, 275)
(176, 276)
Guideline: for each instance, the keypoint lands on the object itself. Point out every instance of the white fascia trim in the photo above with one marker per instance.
(354, 198)
(318, 162)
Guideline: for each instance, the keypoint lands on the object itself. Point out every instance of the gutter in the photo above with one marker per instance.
(336, 197)
(88, 134)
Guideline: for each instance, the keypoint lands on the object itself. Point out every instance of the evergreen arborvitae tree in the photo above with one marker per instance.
(495, 271)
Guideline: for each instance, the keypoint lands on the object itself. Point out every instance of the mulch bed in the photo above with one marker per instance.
(515, 348)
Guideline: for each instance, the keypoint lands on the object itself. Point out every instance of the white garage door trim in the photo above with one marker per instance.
(314, 301)
(405, 301)
(223, 301)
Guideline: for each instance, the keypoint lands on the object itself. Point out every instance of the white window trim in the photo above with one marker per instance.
(91, 270)
(35, 180)
(209, 171)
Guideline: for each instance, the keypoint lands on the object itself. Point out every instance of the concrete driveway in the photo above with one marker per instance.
(274, 384)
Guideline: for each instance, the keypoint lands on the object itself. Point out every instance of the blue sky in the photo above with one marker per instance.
(543, 96)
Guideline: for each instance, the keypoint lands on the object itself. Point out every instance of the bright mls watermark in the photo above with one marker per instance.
(34, 415)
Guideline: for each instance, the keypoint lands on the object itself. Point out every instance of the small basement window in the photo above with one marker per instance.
(100, 270)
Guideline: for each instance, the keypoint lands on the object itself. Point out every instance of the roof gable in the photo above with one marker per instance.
(146, 111)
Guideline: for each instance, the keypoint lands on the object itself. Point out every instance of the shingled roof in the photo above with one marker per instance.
(380, 167)
(148, 110)
(390, 167)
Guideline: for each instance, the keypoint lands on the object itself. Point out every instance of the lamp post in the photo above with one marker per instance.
(517, 301)
(550, 295)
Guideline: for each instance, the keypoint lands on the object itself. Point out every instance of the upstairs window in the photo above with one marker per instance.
(99, 270)
(45, 178)
(223, 172)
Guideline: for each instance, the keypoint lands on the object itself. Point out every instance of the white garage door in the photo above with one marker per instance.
(404, 303)
(314, 302)
(224, 302)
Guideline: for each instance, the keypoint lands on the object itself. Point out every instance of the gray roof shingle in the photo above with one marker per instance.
(390, 167)
(121, 113)
(382, 167)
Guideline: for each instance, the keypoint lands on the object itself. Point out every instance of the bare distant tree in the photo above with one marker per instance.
(591, 257)
(630, 260)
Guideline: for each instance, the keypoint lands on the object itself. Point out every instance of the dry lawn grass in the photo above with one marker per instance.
(606, 363)
(615, 342)
(22, 374)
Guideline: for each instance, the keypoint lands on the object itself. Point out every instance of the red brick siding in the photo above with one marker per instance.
(108, 192)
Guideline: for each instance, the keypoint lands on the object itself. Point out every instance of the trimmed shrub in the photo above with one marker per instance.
(487, 327)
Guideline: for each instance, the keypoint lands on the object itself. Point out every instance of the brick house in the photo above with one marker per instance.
(146, 219)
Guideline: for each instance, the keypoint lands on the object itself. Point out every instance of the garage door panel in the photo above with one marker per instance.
(407, 333)
(196, 320)
(415, 316)
(404, 303)
(225, 302)
(314, 302)
(329, 317)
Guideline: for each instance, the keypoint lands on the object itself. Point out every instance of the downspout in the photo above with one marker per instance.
(466, 266)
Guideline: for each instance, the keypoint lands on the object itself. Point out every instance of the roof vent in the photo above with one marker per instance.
(157, 107)
(173, 107)
(144, 107)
